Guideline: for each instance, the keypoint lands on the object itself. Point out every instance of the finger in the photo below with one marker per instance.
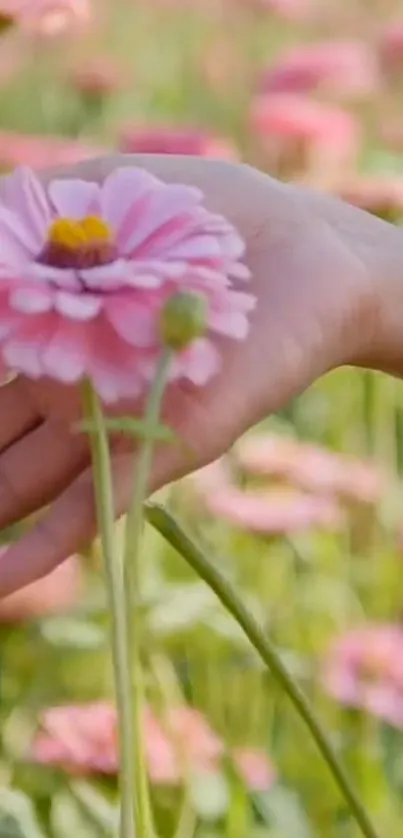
(17, 413)
(36, 469)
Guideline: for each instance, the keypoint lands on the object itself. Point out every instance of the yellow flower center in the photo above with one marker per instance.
(74, 235)
(77, 244)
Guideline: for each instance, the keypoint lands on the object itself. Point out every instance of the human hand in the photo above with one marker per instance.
(316, 267)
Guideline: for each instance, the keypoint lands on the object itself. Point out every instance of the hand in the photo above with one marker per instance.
(316, 265)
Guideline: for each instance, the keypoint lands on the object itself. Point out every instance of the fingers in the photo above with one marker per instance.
(36, 469)
(17, 413)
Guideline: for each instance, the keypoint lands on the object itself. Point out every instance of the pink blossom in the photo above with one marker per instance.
(52, 594)
(293, 10)
(86, 270)
(263, 511)
(297, 128)
(364, 669)
(39, 152)
(82, 739)
(97, 77)
(48, 17)
(310, 467)
(168, 140)
(391, 46)
(342, 68)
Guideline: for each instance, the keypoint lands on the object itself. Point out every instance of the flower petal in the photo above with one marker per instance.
(74, 198)
(233, 324)
(122, 191)
(57, 277)
(78, 306)
(134, 322)
(200, 362)
(65, 355)
(31, 300)
(24, 196)
(167, 207)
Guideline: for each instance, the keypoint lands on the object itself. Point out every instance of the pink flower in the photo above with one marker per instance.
(263, 511)
(98, 77)
(168, 140)
(47, 17)
(86, 270)
(341, 68)
(82, 739)
(391, 46)
(287, 9)
(307, 133)
(39, 152)
(51, 595)
(310, 467)
(364, 669)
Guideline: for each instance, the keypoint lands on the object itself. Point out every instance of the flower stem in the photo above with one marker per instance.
(114, 579)
(193, 554)
(133, 590)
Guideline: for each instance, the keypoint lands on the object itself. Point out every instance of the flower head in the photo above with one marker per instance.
(86, 270)
(169, 140)
(47, 17)
(364, 669)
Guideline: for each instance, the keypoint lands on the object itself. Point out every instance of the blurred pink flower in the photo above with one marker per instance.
(364, 669)
(168, 140)
(294, 10)
(48, 17)
(342, 68)
(39, 152)
(51, 595)
(310, 467)
(82, 739)
(390, 43)
(98, 77)
(272, 511)
(87, 269)
(317, 135)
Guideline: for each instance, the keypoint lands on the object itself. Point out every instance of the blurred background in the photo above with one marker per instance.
(304, 514)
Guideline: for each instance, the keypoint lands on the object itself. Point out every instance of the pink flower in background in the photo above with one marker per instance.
(98, 77)
(53, 594)
(86, 270)
(288, 9)
(364, 669)
(342, 68)
(272, 511)
(168, 140)
(294, 125)
(39, 152)
(82, 739)
(48, 17)
(310, 467)
(390, 44)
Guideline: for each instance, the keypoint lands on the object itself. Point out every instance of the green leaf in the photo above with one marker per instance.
(132, 427)
(72, 633)
(17, 816)
(210, 795)
(282, 810)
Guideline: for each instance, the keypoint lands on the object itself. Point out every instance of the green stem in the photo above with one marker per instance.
(114, 580)
(133, 590)
(193, 554)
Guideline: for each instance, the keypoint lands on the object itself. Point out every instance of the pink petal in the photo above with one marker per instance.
(59, 277)
(122, 190)
(74, 198)
(78, 306)
(119, 274)
(31, 300)
(24, 195)
(18, 242)
(163, 206)
(133, 322)
(231, 324)
(65, 355)
(200, 362)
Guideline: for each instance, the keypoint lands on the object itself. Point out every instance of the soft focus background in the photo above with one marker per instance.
(304, 514)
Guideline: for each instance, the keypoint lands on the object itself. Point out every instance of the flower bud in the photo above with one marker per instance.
(183, 319)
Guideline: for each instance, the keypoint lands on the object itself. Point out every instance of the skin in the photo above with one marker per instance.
(329, 282)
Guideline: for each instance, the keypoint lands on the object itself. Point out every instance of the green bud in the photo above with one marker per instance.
(183, 319)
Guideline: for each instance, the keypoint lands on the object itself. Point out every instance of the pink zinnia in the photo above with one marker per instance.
(82, 739)
(86, 270)
(364, 669)
(40, 152)
(343, 68)
(170, 140)
(47, 17)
